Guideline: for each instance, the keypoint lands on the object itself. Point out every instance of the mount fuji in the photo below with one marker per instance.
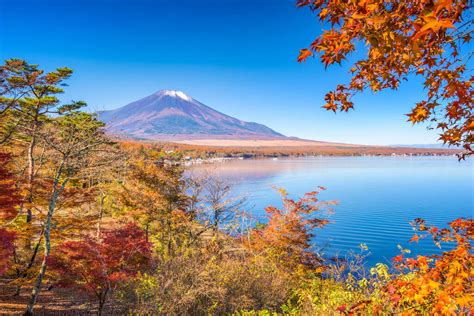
(173, 115)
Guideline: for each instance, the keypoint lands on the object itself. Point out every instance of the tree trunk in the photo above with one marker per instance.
(47, 244)
(101, 214)
(24, 274)
(31, 175)
(101, 306)
(29, 199)
(44, 263)
(42, 272)
(33, 256)
(102, 300)
(147, 225)
(215, 226)
(18, 273)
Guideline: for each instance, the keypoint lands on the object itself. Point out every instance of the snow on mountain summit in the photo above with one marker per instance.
(172, 114)
(175, 94)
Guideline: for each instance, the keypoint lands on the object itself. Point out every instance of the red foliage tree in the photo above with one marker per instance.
(7, 247)
(98, 267)
(9, 197)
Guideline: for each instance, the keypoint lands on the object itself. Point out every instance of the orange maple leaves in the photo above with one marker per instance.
(304, 54)
(287, 235)
(437, 284)
(402, 38)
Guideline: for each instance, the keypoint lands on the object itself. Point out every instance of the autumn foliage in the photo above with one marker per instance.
(403, 38)
(287, 236)
(438, 284)
(7, 247)
(9, 201)
(125, 227)
(99, 266)
(9, 196)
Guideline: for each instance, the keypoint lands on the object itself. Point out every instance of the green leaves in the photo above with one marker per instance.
(74, 106)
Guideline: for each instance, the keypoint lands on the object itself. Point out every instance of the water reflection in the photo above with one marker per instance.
(378, 196)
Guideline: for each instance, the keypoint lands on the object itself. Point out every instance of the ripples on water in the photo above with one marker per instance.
(378, 196)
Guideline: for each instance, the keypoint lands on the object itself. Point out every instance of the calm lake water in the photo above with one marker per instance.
(378, 196)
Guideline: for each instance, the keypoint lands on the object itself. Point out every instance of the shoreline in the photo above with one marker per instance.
(215, 160)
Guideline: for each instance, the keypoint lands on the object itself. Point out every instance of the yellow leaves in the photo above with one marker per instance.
(433, 285)
(304, 54)
(443, 297)
(418, 114)
(443, 5)
(372, 7)
(375, 21)
(358, 16)
(375, 53)
(375, 85)
(283, 192)
(432, 24)
(465, 300)
(470, 125)
(323, 14)
(435, 25)
(320, 269)
(388, 36)
(455, 267)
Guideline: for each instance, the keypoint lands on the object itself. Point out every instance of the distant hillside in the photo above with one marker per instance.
(173, 115)
(440, 146)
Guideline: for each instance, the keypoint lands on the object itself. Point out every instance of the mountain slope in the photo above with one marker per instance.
(170, 114)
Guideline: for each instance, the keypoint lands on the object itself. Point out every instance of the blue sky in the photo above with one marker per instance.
(237, 56)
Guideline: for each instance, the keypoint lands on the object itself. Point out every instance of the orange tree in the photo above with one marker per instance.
(438, 284)
(287, 237)
(421, 37)
(153, 197)
(427, 285)
(7, 248)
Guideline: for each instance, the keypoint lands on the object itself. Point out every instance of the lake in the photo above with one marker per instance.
(378, 196)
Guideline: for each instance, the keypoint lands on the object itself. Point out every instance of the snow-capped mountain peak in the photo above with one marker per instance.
(172, 114)
(175, 94)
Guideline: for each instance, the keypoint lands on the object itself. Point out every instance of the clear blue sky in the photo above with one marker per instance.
(237, 56)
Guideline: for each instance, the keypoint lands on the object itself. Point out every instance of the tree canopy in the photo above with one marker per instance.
(402, 38)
